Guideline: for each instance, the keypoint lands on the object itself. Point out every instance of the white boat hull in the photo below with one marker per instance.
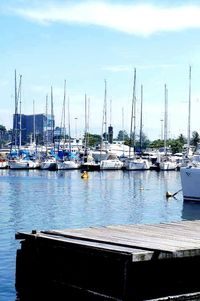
(168, 165)
(3, 164)
(137, 165)
(190, 181)
(48, 164)
(67, 165)
(111, 164)
(23, 164)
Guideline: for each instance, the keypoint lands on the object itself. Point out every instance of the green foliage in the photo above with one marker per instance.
(156, 143)
(182, 139)
(92, 139)
(195, 138)
(176, 145)
(2, 128)
(122, 135)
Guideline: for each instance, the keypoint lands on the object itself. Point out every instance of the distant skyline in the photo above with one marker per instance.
(88, 42)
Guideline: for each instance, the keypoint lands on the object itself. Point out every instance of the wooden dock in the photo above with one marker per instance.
(119, 263)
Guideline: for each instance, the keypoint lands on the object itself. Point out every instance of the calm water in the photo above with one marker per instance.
(56, 200)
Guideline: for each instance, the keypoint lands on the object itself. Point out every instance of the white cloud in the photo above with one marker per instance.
(138, 19)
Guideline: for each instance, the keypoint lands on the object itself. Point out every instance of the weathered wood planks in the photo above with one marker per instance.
(117, 262)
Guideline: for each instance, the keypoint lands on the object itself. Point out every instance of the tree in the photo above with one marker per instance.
(122, 135)
(157, 143)
(2, 135)
(93, 139)
(195, 138)
(182, 139)
(144, 142)
(176, 145)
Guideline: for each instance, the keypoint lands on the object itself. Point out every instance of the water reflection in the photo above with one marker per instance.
(191, 210)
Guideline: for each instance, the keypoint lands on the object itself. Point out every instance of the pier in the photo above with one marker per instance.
(119, 262)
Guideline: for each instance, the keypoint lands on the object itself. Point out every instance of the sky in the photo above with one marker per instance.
(88, 42)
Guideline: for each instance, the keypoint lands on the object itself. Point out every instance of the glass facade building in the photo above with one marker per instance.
(29, 128)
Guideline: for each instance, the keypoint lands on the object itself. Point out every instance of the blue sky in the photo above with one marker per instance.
(86, 42)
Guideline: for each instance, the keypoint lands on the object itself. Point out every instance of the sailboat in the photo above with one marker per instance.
(68, 160)
(134, 163)
(22, 158)
(49, 162)
(111, 162)
(166, 162)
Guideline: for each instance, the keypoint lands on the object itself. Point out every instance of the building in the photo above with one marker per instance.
(30, 128)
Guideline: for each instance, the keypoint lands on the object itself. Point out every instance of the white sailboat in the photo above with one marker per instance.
(166, 162)
(24, 160)
(134, 163)
(67, 163)
(111, 162)
(49, 162)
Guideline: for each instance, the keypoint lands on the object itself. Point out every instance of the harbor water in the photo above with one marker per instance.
(46, 200)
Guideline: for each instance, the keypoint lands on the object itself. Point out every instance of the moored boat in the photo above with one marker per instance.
(23, 164)
(137, 164)
(67, 164)
(111, 164)
(3, 163)
(49, 164)
(190, 181)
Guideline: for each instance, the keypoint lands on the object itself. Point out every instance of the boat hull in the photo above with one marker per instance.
(90, 166)
(111, 165)
(3, 164)
(48, 166)
(168, 165)
(67, 165)
(23, 164)
(137, 165)
(190, 181)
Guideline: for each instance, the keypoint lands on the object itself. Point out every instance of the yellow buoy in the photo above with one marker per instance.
(85, 175)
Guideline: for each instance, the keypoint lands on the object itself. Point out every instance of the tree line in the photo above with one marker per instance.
(141, 143)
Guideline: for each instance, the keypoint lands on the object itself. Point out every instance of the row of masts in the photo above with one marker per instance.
(18, 96)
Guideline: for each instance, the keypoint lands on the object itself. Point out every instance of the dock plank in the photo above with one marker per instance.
(178, 238)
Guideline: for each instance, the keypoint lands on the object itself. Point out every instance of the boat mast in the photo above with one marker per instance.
(16, 111)
(88, 114)
(133, 109)
(69, 128)
(34, 139)
(123, 128)
(46, 123)
(19, 96)
(64, 101)
(104, 120)
(52, 117)
(105, 110)
(86, 108)
(189, 113)
(166, 120)
(141, 112)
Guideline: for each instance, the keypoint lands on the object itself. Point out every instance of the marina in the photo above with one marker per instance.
(99, 150)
